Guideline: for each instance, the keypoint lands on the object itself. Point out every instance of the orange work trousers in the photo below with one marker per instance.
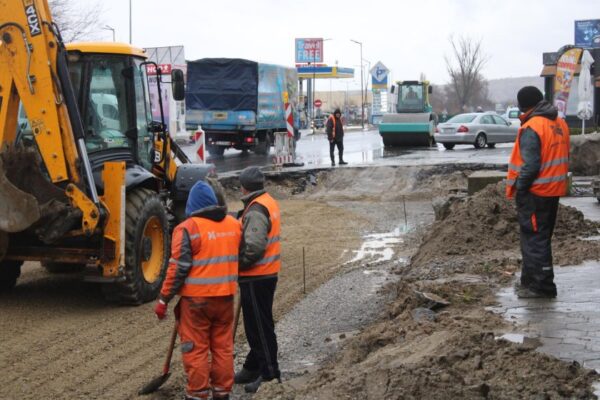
(206, 324)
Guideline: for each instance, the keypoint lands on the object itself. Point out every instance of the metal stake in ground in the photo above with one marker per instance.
(404, 204)
(304, 269)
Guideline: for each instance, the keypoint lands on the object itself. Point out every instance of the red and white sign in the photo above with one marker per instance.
(164, 68)
(318, 103)
(199, 146)
(289, 119)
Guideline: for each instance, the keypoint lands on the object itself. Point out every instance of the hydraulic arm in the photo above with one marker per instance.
(57, 190)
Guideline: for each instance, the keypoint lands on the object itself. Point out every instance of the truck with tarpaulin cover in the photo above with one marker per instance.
(239, 103)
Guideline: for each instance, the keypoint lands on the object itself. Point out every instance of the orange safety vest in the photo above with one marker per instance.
(332, 117)
(552, 178)
(270, 264)
(214, 269)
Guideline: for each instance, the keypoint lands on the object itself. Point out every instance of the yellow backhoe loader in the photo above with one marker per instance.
(88, 181)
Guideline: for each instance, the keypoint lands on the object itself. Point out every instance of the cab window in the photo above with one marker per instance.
(107, 110)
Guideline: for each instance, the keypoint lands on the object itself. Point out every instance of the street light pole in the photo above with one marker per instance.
(366, 96)
(130, 24)
(362, 96)
(110, 28)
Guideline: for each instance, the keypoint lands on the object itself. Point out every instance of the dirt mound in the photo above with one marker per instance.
(488, 221)
(417, 352)
(585, 154)
(387, 184)
(455, 355)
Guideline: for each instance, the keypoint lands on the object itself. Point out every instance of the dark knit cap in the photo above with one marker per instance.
(201, 196)
(528, 97)
(252, 179)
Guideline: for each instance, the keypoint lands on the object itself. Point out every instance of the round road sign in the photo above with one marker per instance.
(318, 103)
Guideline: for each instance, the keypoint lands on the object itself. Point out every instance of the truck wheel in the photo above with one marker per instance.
(147, 243)
(62, 268)
(9, 273)
(216, 151)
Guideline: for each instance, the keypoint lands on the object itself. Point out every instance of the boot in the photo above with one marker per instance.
(524, 292)
(253, 387)
(246, 376)
(332, 162)
(342, 162)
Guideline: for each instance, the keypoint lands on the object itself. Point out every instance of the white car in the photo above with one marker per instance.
(512, 114)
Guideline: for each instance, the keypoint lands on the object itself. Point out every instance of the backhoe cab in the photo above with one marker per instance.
(89, 181)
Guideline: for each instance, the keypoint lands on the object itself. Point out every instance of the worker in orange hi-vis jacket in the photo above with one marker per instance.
(537, 176)
(203, 270)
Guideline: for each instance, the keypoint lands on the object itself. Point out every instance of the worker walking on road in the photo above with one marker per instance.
(537, 177)
(335, 134)
(260, 262)
(203, 270)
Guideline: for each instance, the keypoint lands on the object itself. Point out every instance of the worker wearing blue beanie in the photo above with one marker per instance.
(201, 196)
(203, 272)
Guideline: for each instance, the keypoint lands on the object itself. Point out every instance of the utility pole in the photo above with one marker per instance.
(130, 24)
(110, 28)
(362, 96)
(367, 82)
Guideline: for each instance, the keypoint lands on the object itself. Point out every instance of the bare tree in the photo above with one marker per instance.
(464, 67)
(77, 21)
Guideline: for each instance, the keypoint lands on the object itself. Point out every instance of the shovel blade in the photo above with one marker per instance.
(154, 384)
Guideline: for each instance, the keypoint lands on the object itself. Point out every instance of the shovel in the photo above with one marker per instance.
(157, 382)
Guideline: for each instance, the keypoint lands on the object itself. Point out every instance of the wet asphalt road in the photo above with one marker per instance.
(362, 148)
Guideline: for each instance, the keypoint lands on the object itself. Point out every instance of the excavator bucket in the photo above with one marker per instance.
(26, 194)
(18, 210)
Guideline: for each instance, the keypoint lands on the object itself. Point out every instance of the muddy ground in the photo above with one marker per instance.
(423, 348)
(61, 340)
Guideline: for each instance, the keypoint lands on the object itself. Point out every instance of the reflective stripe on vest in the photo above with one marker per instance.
(270, 264)
(332, 117)
(554, 146)
(215, 260)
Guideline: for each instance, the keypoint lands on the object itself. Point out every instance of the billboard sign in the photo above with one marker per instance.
(587, 33)
(167, 59)
(379, 74)
(565, 71)
(309, 50)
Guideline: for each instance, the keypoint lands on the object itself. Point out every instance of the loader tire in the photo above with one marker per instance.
(62, 268)
(9, 273)
(147, 246)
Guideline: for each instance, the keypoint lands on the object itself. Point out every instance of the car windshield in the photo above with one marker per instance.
(462, 118)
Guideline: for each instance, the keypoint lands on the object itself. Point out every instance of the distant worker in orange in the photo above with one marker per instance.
(203, 270)
(335, 134)
(537, 177)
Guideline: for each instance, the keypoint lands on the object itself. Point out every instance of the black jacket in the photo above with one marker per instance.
(339, 129)
(530, 146)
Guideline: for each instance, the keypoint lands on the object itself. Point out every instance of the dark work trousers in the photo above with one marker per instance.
(340, 146)
(257, 307)
(537, 217)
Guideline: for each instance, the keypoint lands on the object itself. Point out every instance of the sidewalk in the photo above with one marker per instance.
(568, 326)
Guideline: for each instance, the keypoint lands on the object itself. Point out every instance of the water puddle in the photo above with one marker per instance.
(518, 338)
(379, 247)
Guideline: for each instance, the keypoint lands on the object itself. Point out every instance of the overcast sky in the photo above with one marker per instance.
(409, 37)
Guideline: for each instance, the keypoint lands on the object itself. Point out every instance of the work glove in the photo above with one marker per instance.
(160, 309)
